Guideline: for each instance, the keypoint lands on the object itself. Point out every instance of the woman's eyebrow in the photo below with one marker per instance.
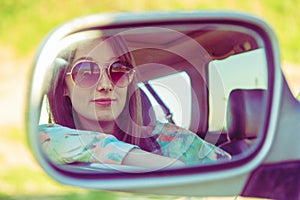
(112, 59)
(83, 58)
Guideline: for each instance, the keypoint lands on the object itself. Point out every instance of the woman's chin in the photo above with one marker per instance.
(105, 118)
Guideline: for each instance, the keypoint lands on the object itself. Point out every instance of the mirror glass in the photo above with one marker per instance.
(144, 98)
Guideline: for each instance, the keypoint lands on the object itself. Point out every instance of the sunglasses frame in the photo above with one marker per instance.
(102, 71)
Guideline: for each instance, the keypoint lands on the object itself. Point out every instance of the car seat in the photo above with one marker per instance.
(244, 119)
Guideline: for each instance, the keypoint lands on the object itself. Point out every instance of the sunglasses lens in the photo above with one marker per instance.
(120, 74)
(86, 74)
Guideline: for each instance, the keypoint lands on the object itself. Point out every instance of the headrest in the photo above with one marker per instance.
(245, 113)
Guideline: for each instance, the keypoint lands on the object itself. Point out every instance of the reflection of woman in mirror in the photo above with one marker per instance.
(96, 111)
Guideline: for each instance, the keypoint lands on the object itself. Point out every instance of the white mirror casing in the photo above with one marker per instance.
(200, 65)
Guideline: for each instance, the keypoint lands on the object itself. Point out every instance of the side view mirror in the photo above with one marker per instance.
(180, 103)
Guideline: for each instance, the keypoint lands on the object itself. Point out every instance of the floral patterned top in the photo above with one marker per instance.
(65, 145)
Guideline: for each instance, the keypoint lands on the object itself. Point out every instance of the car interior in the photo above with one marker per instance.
(243, 116)
(244, 111)
(244, 105)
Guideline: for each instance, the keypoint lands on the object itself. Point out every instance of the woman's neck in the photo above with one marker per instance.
(108, 127)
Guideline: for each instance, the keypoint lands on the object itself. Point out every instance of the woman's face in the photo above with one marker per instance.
(103, 101)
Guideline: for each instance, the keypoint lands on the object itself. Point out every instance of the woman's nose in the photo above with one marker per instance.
(104, 84)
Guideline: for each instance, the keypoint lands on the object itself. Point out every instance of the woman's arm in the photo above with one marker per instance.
(138, 157)
(182, 144)
(64, 145)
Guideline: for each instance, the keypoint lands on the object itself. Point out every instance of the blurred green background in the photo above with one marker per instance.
(24, 23)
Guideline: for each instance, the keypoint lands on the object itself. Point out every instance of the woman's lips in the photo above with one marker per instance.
(104, 101)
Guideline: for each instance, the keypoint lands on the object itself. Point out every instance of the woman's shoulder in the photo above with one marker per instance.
(57, 129)
(49, 128)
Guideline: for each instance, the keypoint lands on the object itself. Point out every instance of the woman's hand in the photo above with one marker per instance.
(138, 157)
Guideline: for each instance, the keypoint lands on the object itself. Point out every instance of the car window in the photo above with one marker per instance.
(241, 71)
(175, 92)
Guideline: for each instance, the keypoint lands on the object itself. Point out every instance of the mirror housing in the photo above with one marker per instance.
(230, 178)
